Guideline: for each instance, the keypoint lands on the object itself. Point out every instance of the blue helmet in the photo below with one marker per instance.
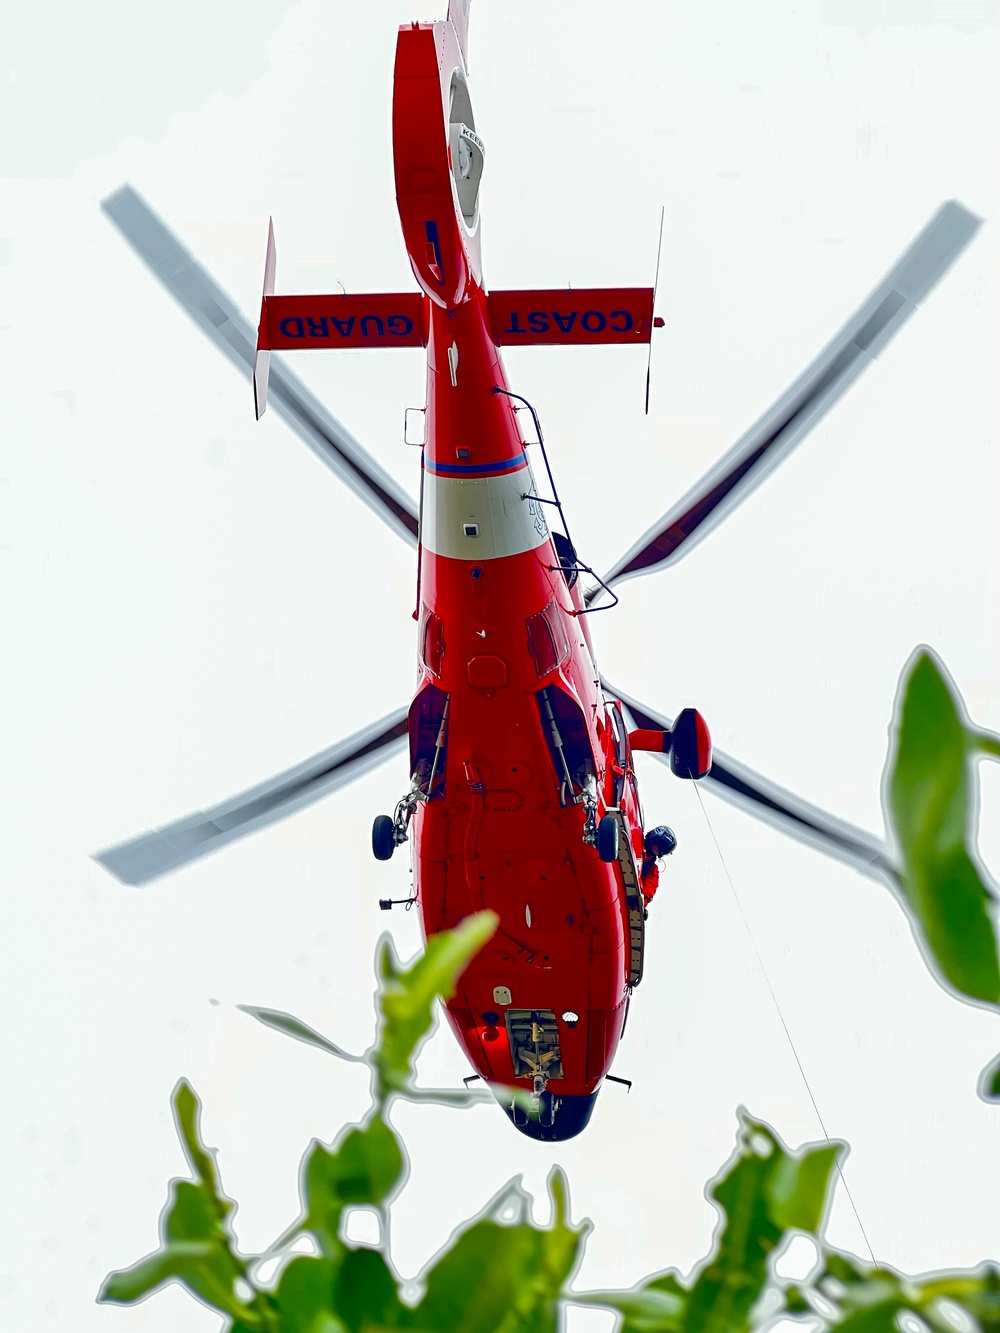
(660, 841)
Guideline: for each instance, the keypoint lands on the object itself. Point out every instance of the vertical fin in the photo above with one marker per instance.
(262, 361)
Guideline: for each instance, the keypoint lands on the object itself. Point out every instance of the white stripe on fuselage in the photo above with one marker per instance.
(507, 523)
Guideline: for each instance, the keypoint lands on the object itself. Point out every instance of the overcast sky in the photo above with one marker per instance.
(195, 603)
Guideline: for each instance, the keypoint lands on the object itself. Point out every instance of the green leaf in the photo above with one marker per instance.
(878, 1318)
(930, 808)
(766, 1191)
(131, 1284)
(795, 1301)
(499, 1277)
(987, 741)
(305, 1295)
(845, 1269)
(989, 1082)
(798, 1187)
(198, 1247)
(362, 1168)
(473, 1285)
(198, 1212)
(294, 1027)
(560, 1242)
(406, 998)
(187, 1117)
(450, 1096)
(644, 1310)
(193, 1215)
(365, 1296)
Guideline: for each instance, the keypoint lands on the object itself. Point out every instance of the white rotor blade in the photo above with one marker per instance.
(141, 859)
(218, 316)
(780, 429)
(780, 808)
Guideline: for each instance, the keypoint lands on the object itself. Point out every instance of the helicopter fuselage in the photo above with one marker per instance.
(515, 757)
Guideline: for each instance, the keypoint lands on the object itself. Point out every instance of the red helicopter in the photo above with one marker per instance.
(522, 794)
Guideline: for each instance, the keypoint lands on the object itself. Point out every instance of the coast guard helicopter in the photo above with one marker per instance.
(522, 793)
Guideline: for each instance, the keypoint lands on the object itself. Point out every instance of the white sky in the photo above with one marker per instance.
(195, 603)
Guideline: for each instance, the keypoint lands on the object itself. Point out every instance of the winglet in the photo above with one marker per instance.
(262, 361)
(458, 15)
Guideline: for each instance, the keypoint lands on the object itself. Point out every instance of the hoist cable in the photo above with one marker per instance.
(784, 1025)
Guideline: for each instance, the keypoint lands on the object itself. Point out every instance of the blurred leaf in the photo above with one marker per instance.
(798, 1186)
(187, 1116)
(977, 1293)
(198, 1212)
(362, 1168)
(365, 1296)
(294, 1027)
(193, 1215)
(795, 1302)
(474, 1284)
(987, 741)
(870, 1299)
(499, 1277)
(406, 998)
(930, 808)
(878, 1318)
(198, 1247)
(561, 1241)
(989, 1082)
(845, 1268)
(645, 1310)
(131, 1284)
(450, 1096)
(304, 1297)
(766, 1191)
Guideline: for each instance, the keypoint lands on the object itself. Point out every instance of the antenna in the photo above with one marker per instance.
(656, 283)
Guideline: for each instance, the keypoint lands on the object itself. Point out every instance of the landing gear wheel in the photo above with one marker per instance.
(383, 838)
(607, 839)
(546, 1109)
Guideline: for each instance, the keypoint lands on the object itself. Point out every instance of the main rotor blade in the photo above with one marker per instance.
(774, 805)
(217, 315)
(147, 857)
(780, 429)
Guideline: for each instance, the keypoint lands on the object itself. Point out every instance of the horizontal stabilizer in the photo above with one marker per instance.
(567, 316)
(382, 320)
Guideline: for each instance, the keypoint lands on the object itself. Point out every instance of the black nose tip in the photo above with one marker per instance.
(569, 1117)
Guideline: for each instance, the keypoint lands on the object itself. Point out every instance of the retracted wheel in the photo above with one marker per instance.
(607, 839)
(383, 838)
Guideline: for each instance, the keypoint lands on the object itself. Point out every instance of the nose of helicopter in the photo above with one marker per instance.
(563, 1119)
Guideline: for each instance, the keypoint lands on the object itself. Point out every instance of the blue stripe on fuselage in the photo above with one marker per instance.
(475, 469)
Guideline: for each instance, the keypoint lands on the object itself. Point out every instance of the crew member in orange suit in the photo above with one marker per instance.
(660, 841)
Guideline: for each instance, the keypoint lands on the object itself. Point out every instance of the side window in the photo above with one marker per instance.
(547, 641)
(432, 642)
(621, 738)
